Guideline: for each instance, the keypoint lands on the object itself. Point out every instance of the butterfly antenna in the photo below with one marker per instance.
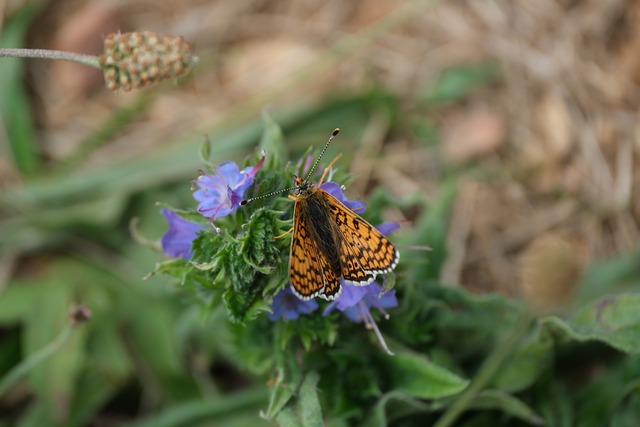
(313, 168)
(315, 164)
(273, 193)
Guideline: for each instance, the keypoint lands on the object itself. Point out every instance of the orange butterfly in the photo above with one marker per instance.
(331, 242)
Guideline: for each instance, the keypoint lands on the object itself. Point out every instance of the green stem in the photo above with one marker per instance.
(487, 371)
(35, 359)
(90, 60)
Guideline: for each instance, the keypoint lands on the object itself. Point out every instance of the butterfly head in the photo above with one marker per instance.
(303, 187)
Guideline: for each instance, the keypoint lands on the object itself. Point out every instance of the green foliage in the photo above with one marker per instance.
(416, 376)
(115, 307)
(18, 128)
(237, 270)
(614, 320)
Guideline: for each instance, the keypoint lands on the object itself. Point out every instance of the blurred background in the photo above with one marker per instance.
(526, 112)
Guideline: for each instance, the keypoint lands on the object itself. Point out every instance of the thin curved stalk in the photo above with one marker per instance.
(90, 60)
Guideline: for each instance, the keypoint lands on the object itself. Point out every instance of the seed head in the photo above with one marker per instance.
(140, 59)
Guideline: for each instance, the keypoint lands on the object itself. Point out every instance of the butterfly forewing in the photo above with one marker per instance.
(365, 252)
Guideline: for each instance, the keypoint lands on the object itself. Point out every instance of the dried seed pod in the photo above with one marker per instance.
(140, 59)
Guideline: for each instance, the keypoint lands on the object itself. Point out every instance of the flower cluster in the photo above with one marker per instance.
(219, 194)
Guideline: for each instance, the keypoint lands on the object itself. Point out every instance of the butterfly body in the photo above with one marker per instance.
(331, 242)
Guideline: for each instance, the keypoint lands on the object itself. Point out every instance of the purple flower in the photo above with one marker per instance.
(219, 194)
(389, 227)
(336, 191)
(286, 305)
(352, 296)
(356, 302)
(176, 242)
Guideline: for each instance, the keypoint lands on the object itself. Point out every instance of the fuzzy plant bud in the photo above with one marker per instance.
(140, 59)
(79, 314)
(549, 269)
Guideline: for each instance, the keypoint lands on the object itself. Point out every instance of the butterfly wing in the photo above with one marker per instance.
(365, 252)
(309, 269)
(332, 288)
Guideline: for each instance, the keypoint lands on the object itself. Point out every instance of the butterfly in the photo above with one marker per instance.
(331, 242)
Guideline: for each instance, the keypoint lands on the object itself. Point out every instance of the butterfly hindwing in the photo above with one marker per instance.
(332, 288)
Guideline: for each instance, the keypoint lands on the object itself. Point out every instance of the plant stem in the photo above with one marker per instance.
(90, 60)
(36, 358)
(489, 368)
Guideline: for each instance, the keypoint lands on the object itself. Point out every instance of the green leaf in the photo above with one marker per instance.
(96, 386)
(309, 330)
(272, 142)
(15, 110)
(466, 325)
(606, 390)
(308, 403)
(525, 366)
(16, 301)
(403, 405)
(280, 396)
(176, 268)
(416, 376)
(258, 247)
(153, 340)
(206, 412)
(557, 408)
(287, 417)
(204, 154)
(614, 320)
(626, 415)
(616, 275)
(54, 380)
(511, 405)
(25, 232)
(253, 352)
(283, 392)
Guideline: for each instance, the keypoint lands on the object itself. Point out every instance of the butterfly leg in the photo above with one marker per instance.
(283, 234)
(291, 229)
(326, 170)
